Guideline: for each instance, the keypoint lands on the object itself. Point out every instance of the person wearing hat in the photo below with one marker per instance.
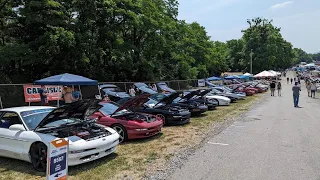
(67, 96)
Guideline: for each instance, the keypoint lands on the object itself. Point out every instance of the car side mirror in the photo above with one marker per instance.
(17, 127)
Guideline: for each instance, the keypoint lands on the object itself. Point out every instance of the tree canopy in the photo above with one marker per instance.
(127, 40)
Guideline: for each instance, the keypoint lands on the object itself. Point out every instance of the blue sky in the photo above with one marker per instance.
(299, 20)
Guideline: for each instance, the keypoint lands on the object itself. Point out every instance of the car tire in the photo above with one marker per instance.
(164, 121)
(217, 101)
(38, 154)
(121, 131)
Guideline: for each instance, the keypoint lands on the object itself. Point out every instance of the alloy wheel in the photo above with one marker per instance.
(121, 132)
(38, 154)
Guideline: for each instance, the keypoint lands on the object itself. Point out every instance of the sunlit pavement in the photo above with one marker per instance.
(275, 141)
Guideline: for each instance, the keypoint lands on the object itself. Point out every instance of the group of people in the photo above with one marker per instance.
(69, 95)
(311, 88)
(293, 80)
(274, 86)
(133, 91)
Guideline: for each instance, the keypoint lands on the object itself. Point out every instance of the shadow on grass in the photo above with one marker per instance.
(143, 140)
(7, 165)
(74, 170)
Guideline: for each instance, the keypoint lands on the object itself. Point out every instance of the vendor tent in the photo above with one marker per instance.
(244, 77)
(214, 78)
(232, 77)
(265, 74)
(275, 72)
(66, 79)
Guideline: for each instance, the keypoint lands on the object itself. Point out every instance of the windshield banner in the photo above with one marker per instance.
(31, 93)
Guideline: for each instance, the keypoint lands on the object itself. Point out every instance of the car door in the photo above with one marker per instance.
(10, 143)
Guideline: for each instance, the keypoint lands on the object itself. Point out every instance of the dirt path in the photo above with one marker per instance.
(273, 141)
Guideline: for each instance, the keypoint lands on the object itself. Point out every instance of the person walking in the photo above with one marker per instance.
(308, 86)
(288, 80)
(291, 80)
(313, 89)
(279, 88)
(272, 87)
(296, 93)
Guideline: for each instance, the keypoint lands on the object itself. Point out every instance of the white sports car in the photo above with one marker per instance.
(222, 101)
(25, 133)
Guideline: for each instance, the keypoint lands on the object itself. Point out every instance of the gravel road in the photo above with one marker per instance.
(272, 141)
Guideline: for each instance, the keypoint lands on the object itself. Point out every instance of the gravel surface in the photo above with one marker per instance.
(182, 156)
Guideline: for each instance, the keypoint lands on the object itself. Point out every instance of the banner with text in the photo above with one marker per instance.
(31, 93)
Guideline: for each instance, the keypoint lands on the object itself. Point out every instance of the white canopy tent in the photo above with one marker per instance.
(265, 74)
(247, 74)
(275, 72)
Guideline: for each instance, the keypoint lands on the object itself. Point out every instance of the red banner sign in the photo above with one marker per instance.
(31, 93)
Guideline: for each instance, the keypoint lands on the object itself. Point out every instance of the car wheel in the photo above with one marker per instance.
(217, 101)
(38, 153)
(121, 131)
(161, 116)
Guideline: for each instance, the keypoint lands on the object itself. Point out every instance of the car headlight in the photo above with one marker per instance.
(141, 129)
(75, 152)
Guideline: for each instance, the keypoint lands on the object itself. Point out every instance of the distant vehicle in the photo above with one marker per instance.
(25, 133)
(129, 124)
(171, 114)
(114, 92)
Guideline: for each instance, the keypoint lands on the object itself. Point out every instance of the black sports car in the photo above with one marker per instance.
(114, 92)
(169, 113)
(194, 107)
(200, 97)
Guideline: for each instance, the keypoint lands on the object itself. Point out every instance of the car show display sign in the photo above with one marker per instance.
(31, 93)
(57, 162)
(201, 83)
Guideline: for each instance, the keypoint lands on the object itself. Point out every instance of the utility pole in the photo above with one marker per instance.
(251, 54)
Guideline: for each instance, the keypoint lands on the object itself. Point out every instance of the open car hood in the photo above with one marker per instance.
(169, 99)
(205, 92)
(145, 88)
(163, 86)
(134, 102)
(191, 94)
(82, 110)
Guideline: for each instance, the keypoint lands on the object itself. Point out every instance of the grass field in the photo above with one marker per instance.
(134, 157)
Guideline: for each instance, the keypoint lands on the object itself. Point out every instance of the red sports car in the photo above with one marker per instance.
(128, 124)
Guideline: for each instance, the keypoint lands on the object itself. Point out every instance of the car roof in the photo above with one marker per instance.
(25, 108)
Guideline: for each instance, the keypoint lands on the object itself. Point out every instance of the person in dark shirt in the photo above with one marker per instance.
(291, 80)
(272, 87)
(296, 93)
(43, 95)
(287, 80)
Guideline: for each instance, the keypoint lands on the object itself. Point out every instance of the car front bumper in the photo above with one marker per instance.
(95, 149)
(134, 134)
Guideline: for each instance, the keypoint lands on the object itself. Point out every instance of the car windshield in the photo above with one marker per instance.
(154, 104)
(113, 89)
(110, 108)
(32, 118)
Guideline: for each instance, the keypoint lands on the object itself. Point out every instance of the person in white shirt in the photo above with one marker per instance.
(313, 89)
(132, 92)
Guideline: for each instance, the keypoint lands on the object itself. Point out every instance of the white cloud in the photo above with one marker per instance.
(281, 5)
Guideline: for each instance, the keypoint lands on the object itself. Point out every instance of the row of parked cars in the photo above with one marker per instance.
(95, 127)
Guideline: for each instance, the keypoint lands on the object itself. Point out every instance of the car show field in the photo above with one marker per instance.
(133, 158)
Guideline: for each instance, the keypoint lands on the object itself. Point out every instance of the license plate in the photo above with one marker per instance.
(196, 110)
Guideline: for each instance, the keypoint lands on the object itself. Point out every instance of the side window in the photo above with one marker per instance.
(8, 119)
